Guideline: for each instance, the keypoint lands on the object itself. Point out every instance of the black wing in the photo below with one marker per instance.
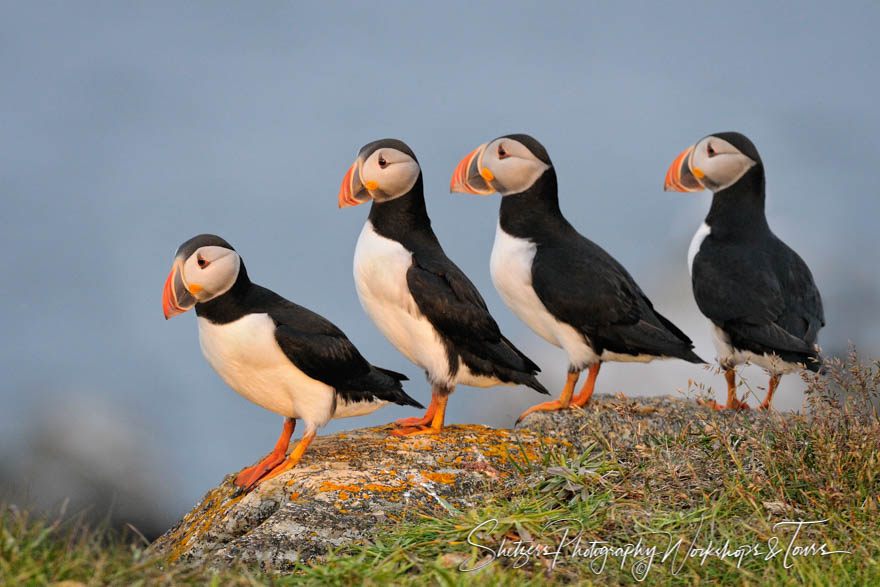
(455, 308)
(322, 351)
(585, 287)
(762, 294)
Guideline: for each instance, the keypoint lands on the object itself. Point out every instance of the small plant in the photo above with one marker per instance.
(570, 481)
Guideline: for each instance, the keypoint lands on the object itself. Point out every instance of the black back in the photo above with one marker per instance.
(446, 297)
(748, 282)
(582, 285)
(311, 342)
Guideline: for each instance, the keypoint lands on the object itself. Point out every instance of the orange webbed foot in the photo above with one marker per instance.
(711, 403)
(417, 422)
(550, 406)
(289, 463)
(736, 405)
(248, 478)
(422, 421)
(253, 474)
(432, 421)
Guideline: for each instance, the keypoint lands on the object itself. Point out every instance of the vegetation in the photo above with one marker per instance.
(699, 486)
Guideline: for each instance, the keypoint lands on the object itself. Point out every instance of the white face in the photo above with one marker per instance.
(718, 164)
(210, 272)
(388, 174)
(512, 167)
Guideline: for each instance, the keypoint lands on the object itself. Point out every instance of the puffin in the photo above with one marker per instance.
(275, 353)
(566, 288)
(758, 294)
(417, 297)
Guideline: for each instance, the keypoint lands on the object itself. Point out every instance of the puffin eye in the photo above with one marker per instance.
(203, 262)
(382, 162)
(501, 152)
(710, 151)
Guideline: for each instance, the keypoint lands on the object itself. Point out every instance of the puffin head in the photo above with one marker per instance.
(384, 170)
(508, 165)
(205, 267)
(715, 162)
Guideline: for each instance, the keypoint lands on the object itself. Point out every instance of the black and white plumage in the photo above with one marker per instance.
(562, 285)
(417, 297)
(758, 294)
(273, 352)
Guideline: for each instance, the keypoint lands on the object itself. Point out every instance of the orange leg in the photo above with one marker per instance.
(587, 390)
(558, 404)
(253, 474)
(732, 402)
(423, 420)
(774, 384)
(291, 462)
(439, 396)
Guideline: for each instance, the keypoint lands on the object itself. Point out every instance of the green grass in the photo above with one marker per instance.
(825, 466)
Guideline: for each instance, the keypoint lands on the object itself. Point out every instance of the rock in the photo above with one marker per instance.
(350, 483)
(345, 485)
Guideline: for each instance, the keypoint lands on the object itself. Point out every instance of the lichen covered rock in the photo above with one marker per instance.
(349, 484)
(346, 485)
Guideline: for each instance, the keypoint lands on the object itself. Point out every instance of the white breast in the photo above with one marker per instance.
(511, 269)
(246, 355)
(380, 266)
(698, 239)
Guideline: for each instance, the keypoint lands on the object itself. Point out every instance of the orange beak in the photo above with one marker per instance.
(679, 177)
(352, 192)
(467, 179)
(176, 298)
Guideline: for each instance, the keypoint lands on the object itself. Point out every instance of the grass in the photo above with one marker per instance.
(822, 466)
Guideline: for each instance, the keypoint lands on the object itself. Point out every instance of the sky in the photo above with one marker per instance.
(128, 128)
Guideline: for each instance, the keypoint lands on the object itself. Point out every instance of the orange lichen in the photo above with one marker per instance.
(444, 478)
(330, 486)
(377, 487)
(214, 505)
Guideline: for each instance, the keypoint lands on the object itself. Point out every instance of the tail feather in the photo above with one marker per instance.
(536, 385)
(378, 384)
(394, 374)
(690, 356)
(662, 338)
(528, 364)
(504, 373)
(387, 387)
(527, 379)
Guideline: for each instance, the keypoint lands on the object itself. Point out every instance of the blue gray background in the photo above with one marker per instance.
(130, 127)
